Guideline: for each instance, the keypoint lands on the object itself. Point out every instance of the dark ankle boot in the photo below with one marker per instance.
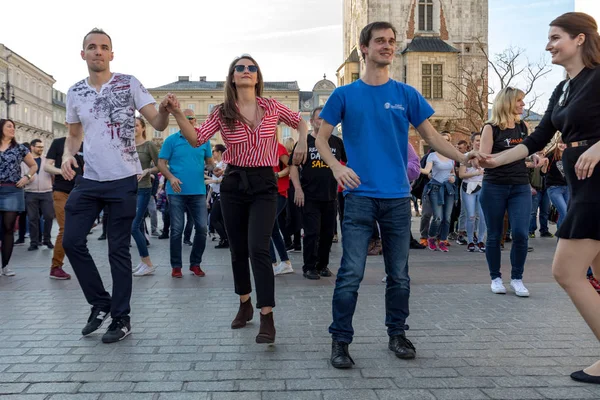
(266, 333)
(244, 314)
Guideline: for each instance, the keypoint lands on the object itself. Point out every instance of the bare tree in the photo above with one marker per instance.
(511, 68)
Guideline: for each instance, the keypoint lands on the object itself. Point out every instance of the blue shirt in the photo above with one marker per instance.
(186, 163)
(375, 122)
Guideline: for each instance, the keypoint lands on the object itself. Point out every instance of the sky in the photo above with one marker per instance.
(292, 40)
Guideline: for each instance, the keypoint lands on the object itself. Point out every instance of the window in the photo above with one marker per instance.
(210, 107)
(173, 130)
(432, 81)
(33, 91)
(18, 79)
(157, 134)
(26, 112)
(192, 107)
(425, 15)
(354, 77)
(26, 84)
(286, 132)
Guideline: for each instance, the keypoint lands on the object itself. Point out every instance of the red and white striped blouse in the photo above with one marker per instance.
(247, 147)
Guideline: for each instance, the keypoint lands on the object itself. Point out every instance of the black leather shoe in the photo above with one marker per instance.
(402, 347)
(102, 237)
(340, 358)
(326, 272)
(311, 274)
(163, 236)
(188, 242)
(416, 245)
(32, 247)
(223, 244)
(581, 376)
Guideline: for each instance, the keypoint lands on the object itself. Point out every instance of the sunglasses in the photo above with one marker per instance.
(242, 68)
(190, 118)
(562, 100)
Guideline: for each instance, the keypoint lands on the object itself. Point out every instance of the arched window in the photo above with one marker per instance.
(426, 15)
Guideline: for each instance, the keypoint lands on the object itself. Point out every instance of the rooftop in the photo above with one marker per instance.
(184, 83)
(423, 44)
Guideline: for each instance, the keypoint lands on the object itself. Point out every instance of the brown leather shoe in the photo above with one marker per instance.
(266, 333)
(244, 314)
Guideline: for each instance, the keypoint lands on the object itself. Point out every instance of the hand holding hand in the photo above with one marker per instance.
(300, 153)
(22, 182)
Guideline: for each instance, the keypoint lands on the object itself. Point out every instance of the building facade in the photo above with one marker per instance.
(438, 53)
(59, 113)
(32, 88)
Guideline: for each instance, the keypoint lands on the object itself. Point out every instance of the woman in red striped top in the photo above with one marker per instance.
(248, 125)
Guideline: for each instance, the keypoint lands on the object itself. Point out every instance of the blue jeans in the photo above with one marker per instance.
(440, 223)
(276, 237)
(540, 200)
(393, 216)
(196, 206)
(472, 204)
(495, 201)
(137, 228)
(560, 196)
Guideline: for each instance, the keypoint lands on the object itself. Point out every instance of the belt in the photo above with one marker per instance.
(3, 184)
(583, 143)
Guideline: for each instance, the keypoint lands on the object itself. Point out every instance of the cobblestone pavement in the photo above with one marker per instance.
(470, 343)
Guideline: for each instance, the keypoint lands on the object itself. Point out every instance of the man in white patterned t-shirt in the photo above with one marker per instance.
(103, 106)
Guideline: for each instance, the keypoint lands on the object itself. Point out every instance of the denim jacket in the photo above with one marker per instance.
(447, 187)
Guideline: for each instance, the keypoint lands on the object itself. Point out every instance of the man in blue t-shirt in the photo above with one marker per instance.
(186, 191)
(375, 113)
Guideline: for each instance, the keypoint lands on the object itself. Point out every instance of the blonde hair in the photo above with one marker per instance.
(289, 144)
(504, 106)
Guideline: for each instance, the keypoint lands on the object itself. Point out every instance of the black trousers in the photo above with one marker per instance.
(36, 202)
(82, 208)
(216, 218)
(249, 206)
(318, 219)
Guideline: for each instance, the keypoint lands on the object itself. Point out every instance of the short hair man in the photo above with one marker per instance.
(376, 110)
(38, 196)
(60, 193)
(103, 105)
(186, 191)
(316, 192)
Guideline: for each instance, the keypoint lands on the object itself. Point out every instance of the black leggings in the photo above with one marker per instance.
(216, 218)
(8, 239)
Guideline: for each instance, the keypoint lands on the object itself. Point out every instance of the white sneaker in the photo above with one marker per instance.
(8, 272)
(498, 286)
(145, 270)
(136, 269)
(519, 288)
(283, 268)
(384, 280)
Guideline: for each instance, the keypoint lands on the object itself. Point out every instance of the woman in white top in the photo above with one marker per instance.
(471, 190)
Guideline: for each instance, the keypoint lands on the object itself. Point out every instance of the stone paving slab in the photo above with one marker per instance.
(470, 343)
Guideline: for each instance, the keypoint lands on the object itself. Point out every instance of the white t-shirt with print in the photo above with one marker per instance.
(108, 120)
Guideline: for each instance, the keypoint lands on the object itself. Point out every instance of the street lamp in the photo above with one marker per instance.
(8, 92)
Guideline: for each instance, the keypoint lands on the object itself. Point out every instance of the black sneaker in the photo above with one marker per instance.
(340, 358)
(507, 238)
(187, 241)
(32, 247)
(19, 242)
(163, 236)
(471, 247)
(102, 237)
(95, 321)
(118, 330)
(326, 272)
(461, 240)
(546, 235)
(311, 274)
(48, 244)
(402, 347)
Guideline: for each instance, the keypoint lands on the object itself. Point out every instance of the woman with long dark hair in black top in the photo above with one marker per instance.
(574, 110)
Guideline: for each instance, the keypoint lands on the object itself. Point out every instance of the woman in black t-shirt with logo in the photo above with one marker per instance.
(505, 189)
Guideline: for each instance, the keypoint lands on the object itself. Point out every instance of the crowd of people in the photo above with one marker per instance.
(263, 195)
